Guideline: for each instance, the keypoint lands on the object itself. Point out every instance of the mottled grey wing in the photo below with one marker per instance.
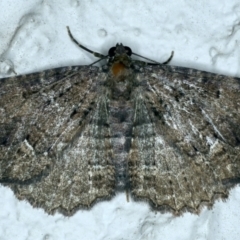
(54, 138)
(185, 148)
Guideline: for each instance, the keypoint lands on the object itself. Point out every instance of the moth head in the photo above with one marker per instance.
(119, 50)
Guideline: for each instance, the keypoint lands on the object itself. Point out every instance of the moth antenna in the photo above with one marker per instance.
(99, 55)
(169, 59)
(154, 62)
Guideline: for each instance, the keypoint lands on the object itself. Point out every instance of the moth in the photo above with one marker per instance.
(71, 136)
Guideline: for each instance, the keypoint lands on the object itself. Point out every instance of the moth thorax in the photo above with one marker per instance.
(121, 82)
(118, 69)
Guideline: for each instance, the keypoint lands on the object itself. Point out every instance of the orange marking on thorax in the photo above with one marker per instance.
(117, 68)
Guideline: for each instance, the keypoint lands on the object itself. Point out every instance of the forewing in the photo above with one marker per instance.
(54, 138)
(186, 138)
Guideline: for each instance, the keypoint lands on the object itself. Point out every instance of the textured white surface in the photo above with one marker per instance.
(33, 37)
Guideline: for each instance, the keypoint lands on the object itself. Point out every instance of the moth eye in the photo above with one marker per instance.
(128, 51)
(111, 52)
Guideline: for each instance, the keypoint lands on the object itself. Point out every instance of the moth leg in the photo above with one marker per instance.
(127, 195)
